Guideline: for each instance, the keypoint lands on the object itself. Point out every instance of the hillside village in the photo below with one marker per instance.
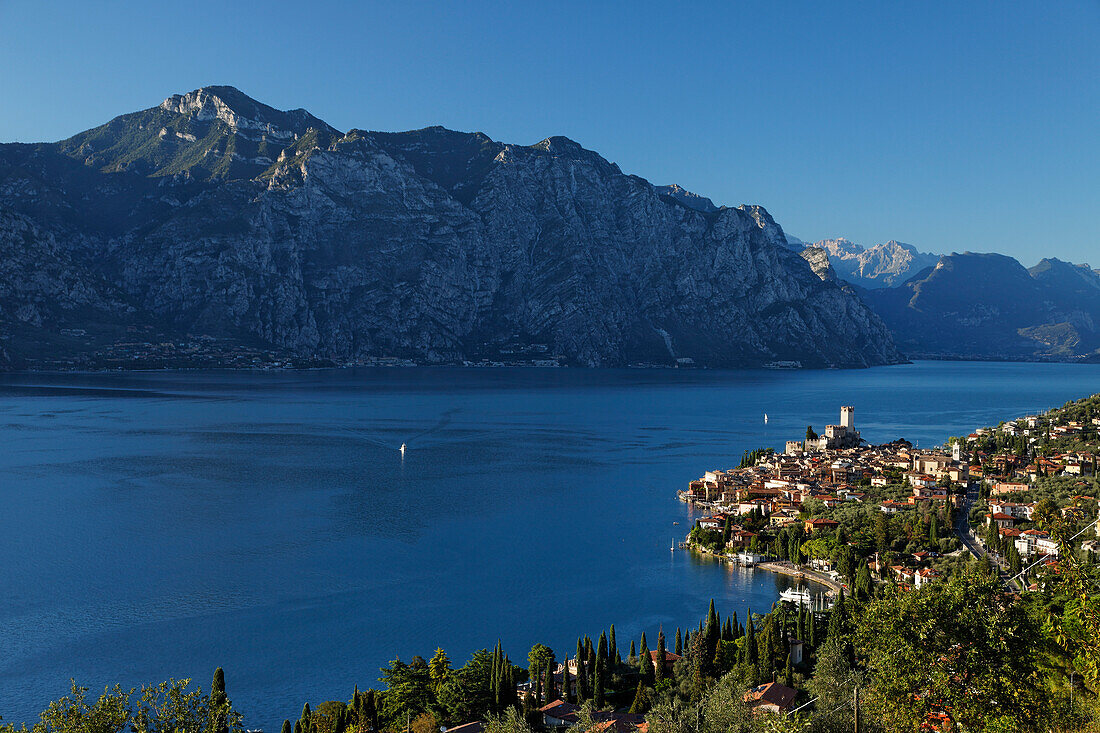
(832, 502)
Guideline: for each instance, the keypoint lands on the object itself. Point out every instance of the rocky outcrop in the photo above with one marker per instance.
(243, 222)
(686, 198)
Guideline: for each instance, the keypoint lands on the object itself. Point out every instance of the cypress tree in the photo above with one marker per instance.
(750, 640)
(536, 681)
(638, 706)
(659, 668)
(298, 726)
(612, 649)
(582, 683)
(864, 586)
(497, 678)
(286, 726)
(498, 689)
(217, 687)
(566, 693)
(645, 663)
(633, 652)
(370, 709)
(305, 720)
(788, 672)
(548, 692)
(837, 619)
(1015, 563)
(219, 702)
(509, 698)
(598, 674)
(766, 648)
(528, 709)
(679, 643)
(711, 635)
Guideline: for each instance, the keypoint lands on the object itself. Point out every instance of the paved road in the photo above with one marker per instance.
(970, 540)
(962, 523)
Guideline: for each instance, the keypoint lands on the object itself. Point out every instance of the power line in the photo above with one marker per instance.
(1045, 558)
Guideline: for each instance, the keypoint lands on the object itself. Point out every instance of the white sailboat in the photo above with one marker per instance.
(765, 418)
(402, 450)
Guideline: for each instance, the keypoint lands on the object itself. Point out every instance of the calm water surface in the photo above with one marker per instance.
(159, 525)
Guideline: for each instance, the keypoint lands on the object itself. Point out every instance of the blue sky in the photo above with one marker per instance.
(953, 126)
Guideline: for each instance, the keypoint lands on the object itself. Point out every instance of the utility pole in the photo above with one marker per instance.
(855, 707)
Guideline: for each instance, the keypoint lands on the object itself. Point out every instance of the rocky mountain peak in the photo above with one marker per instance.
(839, 246)
(895, 244)
(560, 145)
(686, 198)
(1065, 275)
(242, 112)
(882, 265)
(771, 229)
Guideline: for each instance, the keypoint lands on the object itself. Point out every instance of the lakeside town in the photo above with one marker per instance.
(831, 506)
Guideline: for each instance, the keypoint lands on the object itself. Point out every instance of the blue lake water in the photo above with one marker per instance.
(158, 525)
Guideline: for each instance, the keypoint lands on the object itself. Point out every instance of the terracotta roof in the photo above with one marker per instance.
(772, 693)
(561, 710)
(568, 712)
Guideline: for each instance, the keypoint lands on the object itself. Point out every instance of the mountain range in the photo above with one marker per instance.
(880, 266)
(989, 306)
(969, 305)
(214, 230)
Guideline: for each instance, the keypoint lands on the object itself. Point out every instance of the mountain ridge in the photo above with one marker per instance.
(215, 220)
(988, 305)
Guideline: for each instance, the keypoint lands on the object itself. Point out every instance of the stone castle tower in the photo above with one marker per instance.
(848, 417)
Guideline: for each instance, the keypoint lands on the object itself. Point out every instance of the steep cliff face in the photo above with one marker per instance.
(46, 298)
(213, 214)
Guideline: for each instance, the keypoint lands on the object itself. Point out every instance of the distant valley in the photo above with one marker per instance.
(969, 305)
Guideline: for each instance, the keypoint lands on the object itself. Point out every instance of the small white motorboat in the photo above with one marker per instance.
(799, 596)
